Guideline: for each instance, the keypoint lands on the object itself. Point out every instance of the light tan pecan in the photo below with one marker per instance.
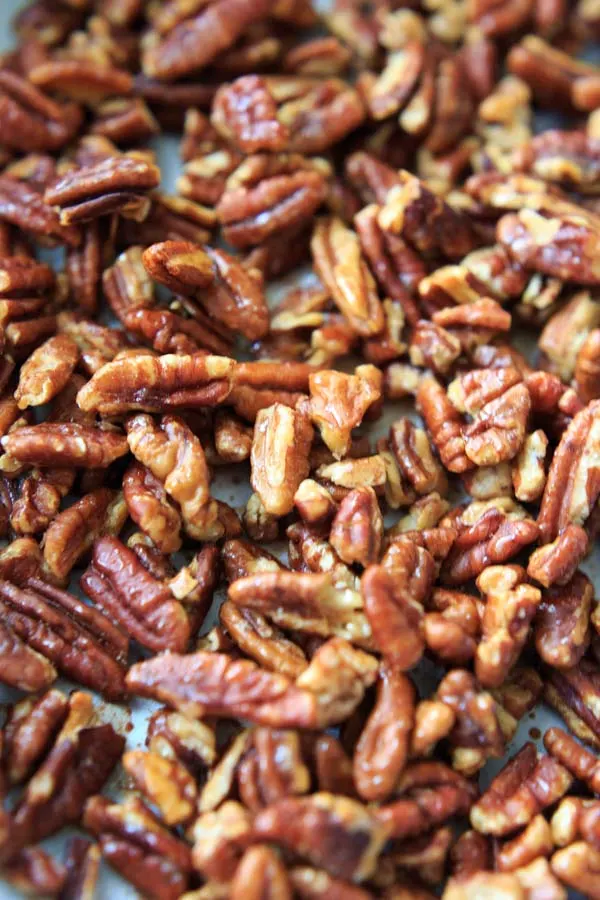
(338, 261)
(144, 607)
(150, 508)
(383, 746)
(338, 403)
(72, 533)
(314, 504)
(528, 471)
(510, 607)
(357, 528)
(279, 456)
(156, 384)
(577, 866)
(525, 786)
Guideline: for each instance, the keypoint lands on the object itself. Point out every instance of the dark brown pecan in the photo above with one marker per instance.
(77, 766)
(245, 113)
(197, 41)
(65, 444)
(252, 214)
(134, 843)
(155, 384)
(395, 618)
(333, 832)
(525, 786)
(573, 693)
(215, 683)
(111, 185)
(383, 747)
(80, 641)
(31, 121)
(143, 606)
(30, 728)
(22, 206)
(562, 624)
(83, 868)
(223, 288)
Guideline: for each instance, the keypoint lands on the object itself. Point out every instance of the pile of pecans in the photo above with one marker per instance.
(293, 754)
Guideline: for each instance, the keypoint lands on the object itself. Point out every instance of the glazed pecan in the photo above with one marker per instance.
(528, 472)
(510, 607)
(476, 735)
(279, 456)
(145, 608)
(261, 641)
(338, 403)
(562, 623)
(156, 384)
(82, 864)
(22, 206)
(32, 122)
(444, 424)
(395, 618)
(324, 693)
(573, 692)
(413, 454)
(326, 829)
(60, 445)
(134, 842)
(525, 786)
(261, 868)
(30, 727)
(357, 528)
(150, 508)
(21, 666)
(338, 261)
(580, 762)
(73, 531)
(165, 783)
(382, 749)
(176, 737)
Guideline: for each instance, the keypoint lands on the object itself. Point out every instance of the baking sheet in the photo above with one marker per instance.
(235, 489)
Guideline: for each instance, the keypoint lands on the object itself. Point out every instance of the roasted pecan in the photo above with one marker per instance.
(62, 445)
(156, 384)
(395, 618)
(30, 727)
(82, 864)
(21, 666)
(562, 624)
(333, 832)
(143, 606)
(279, 456)
(261, 641)
(524, 787)
(338, 403)
(23, 206)
(476, 735)
(134, 842)
(32, 122)
(579, 761)
(357, 528)
(382, 749)
(444, 424)
(74, 530)
(150, 508)
(262, 870)
(573, 694)
(415, 459)
(165, 783)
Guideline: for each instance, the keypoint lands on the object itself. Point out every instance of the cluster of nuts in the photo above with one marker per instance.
(377, 640)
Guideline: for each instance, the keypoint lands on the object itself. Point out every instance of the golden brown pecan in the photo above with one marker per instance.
(60, 445)
(220, 838)
(338, 262)
(318, 602)
(134, 842)
(525, 786)
(21, 666)
(573, 693)
(510, 607)
(453, 627)
(333, 832)
(165, 783)
(357, 528)
(433, 347)
(73, 531)
(143, 606)
(176, 737)
(566, 331)
(579, 761)
(77, 766)
(260, 873)
(245, 113)
(279, 456)
(127, 285)
(39, 502)
(81, 80)
(533, 842)
(395, 618)
(203, 682)
(150, 508)
(476, 736)
(156, 384)
(382, 749)
(570, 494)
(528, 472)
(338, 403)
(116, 184)
(320, 56)
(22, 206)
(29, 730)
(444, 424)
(315, 505)
(433, 720)
(195, 42)
(262, 641)
(31, 121)
(562, 624)
(272, 768)
(498, 431)
(577, 866)
(414, 457)
(587, 370)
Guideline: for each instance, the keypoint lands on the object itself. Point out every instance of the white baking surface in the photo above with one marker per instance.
(235, 490)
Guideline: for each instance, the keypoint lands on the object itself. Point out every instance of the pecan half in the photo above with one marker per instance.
(279, 456)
